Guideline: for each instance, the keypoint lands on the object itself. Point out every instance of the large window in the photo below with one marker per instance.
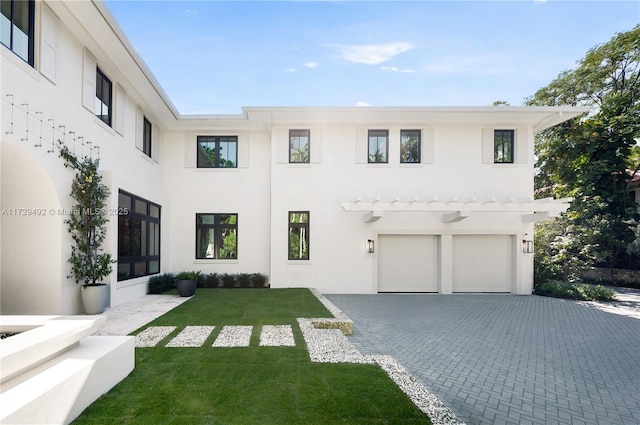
(378, 146)
(138, 237)
(217, 151)
(298, 235)
(298, 146)
(104, 97)
(146, 137)
(16, 27)
(503, 146)
(216, 236)
(410, 146)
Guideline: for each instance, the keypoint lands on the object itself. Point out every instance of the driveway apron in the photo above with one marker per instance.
(506, 359)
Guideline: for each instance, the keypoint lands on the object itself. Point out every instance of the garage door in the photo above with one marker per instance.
(482, 263)
(408, 263)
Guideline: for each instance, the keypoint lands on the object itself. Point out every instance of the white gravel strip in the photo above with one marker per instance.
(234, 336)
(337, 313)
(191, 336)
(277, 336)
(419, 395)
(151, 336)
(329, 345)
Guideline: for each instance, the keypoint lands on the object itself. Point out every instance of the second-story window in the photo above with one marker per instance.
(16, 27)
(146, 137)
(503, 141)
(299, 146)
(217, 151)
(378, 146)
(410, 146)
(104, 96)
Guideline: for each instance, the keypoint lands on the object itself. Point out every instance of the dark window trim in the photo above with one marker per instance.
(497, 147)
(217, 226)
(133, 259)
(419, 159)
(147, 135)
(299, 226)
(386, 153)
(31, 47)
(305, 132)
(101, 80)
(216, 140)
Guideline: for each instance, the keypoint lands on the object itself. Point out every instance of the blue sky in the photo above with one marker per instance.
(217, 56)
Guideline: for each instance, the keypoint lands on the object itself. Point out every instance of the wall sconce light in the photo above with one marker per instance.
(370, 246)
(527, 246)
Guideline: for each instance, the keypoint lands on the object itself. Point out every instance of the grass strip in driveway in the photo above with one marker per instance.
(249, 385)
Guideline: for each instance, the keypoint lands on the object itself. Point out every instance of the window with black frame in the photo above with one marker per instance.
(378, 145)
(298, 235)
(410, 146)
(104, 98)
(216, 236)
(299, 146)
(503, 141)
(16, 27)
(138, 237)
(217, 151)
(146, 137)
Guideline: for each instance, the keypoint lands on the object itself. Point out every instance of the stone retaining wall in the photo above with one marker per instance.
(620, 275)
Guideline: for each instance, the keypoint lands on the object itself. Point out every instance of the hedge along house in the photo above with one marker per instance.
(347, 200)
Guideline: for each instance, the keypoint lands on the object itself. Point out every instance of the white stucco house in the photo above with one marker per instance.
(346, 200)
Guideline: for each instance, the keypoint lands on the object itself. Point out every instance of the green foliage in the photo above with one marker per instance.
(88, 219)
(161, 283)
(586, 158)
(189, 275)
(228, 280)
(574, 291)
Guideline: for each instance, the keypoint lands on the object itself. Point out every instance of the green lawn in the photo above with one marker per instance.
(254, 385)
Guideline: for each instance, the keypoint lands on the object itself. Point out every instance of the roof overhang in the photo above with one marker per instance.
(537, 117)
(454, 209)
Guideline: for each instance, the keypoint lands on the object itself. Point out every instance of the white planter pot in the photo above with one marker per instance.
(95, 298)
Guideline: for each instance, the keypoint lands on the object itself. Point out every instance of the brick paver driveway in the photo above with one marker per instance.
(508, 359)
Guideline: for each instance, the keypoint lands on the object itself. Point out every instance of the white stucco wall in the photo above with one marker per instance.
(339, 263)
(44, 111)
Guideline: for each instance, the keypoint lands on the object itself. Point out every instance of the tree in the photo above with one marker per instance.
(586, 158)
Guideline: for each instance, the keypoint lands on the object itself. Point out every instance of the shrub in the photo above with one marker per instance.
(258, 280)
(228, 280)
(161, 283)
(574, 291)
(195, 275)
(243, 280)
(210, 280)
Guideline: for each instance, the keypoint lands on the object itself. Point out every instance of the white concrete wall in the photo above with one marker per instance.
(243, 190)
(339, 263)
(34, 177)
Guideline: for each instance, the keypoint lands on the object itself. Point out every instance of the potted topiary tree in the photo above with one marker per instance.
(87, 225)
(187, 282)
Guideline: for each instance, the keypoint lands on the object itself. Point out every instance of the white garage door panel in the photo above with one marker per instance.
(408, 263)
(482, 263)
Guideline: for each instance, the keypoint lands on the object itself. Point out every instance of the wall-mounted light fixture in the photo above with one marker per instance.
(370, 246)
(527, 246)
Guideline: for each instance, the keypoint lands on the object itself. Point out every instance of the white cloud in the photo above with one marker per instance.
(311, 65)
(290, 70)
(395, 69)
(361, 103)
(373, 54)
(191, 12)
